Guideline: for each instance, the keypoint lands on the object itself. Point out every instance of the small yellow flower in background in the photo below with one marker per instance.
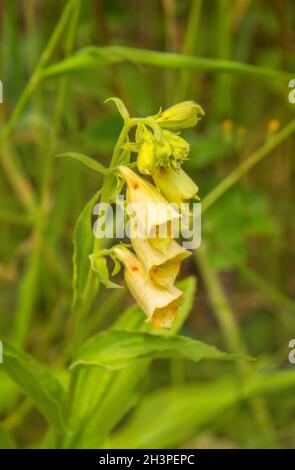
(150, 209)
(161, 266)
(180, 116)
(160, 305)
(227, 126)
(273, 126)
(176, 186)
(241, 132)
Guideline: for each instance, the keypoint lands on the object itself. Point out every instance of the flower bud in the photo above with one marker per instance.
(147, 206)
(175, 186)
(180, 116)
(146, 160)
(162, 152)
(162, 267)
(159, 305)
(180, 147)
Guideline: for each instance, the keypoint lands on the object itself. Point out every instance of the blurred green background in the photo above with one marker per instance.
(245, 266)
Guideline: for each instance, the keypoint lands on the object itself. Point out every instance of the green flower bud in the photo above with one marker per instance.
(162, 151)
(160, 305)
(146, 160)
(175, 186)
(180, 116)
(180, 147)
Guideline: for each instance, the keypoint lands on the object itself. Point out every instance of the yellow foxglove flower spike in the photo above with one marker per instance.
(145, 204)
(159, 305)
(162, 267)
(180, 116)
(176, 186)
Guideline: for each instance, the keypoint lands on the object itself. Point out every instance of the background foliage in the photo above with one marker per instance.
(59, 62)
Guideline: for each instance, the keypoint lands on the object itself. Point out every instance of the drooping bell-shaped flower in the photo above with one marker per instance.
(162, 266)
(160, 305)
(176, 186)
(147, 206)
(180, 116)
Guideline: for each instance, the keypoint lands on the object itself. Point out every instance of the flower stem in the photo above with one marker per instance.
(232, 336)
(246, 165)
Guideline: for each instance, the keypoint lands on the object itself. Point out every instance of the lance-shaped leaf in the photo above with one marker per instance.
(36, 382)
(83, 245)
(87, 161)
(117, 349)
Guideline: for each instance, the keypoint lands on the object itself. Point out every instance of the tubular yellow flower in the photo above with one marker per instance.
(148, 207)
(180, 116)
(175, 186)
(160, 305)
(162, 267)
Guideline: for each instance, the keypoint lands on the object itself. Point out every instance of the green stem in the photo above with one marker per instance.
(34, 80)
(189, 45)
(28, 292)
(217, 297)
(231, 333)
(246, 165)
(17, 179)
(90, 290)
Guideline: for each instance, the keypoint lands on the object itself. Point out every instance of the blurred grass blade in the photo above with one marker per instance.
(247, 164)
(93, 57)
(166, 418)
(6, 439)
(36, 382)
(89, 162)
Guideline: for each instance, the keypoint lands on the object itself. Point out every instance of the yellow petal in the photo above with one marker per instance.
(159, 304)
(175, 186)
(161, 266)
(147, 205)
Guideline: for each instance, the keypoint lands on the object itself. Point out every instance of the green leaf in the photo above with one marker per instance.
(105, 396)
(90, 162)
(117, 349)
(83, 245)
(120, 106)
(6, 439)
(168, 417)
(36, 382)
(8, 392)
(99, 265)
